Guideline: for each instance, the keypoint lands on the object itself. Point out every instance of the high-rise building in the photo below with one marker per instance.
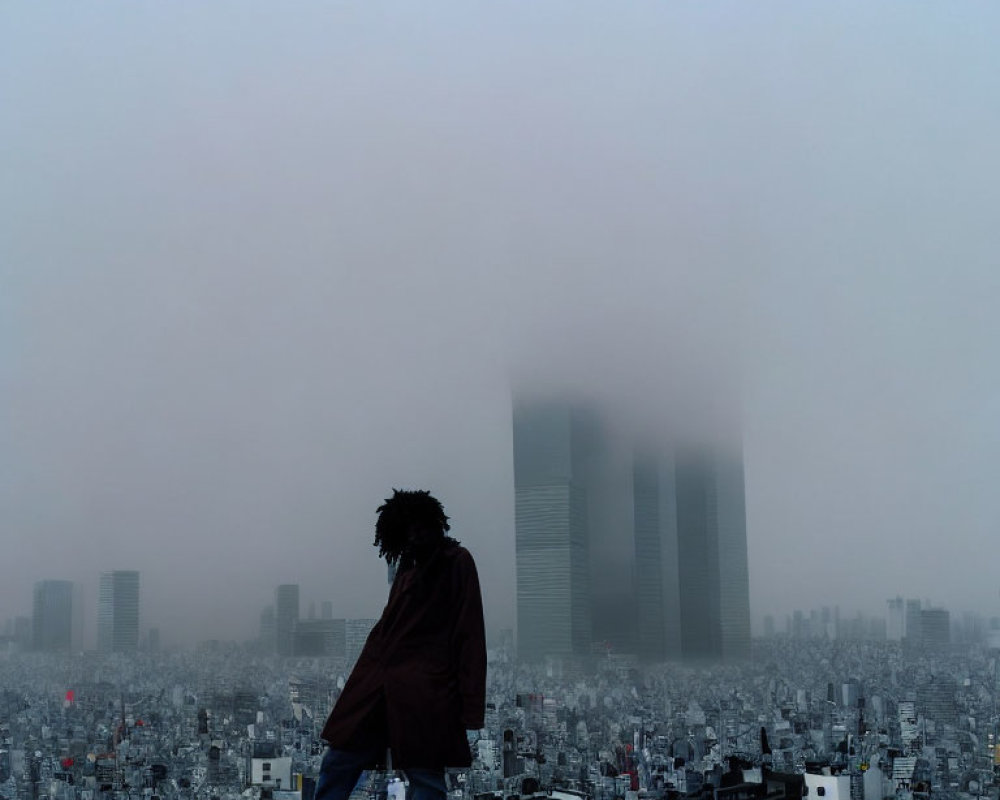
(52, 616)
(657, 607)
(734, 571)
(628, 549)
(935, 628)
(895, 625)
(913, 635)
(118, 612)
(286, 618)
(698, 561)
(607, 471)
(936, 699)
(712, 558)
(551, 445)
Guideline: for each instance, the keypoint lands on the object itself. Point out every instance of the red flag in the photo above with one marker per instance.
(70, 696)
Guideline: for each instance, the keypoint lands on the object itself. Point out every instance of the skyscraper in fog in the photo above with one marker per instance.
(551, 547)
(896, 621)
(913, 634)
(640, 550)
(734, 571)
(935, 629)
(607, 471)
(286, 617)
(712, 557)
(52, 616)
(657, 608)
(118, 612)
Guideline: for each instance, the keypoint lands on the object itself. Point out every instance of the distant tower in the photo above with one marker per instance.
(551, 536)
(118, 612)
(52, 616)
(105, 613)
(267, 632)
(935, 628)
(286, 617)
(895, 627)
(913, 635)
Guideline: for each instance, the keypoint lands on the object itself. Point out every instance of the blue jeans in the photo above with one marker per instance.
(341, 769)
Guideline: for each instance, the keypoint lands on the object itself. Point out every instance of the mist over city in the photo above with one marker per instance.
(259, 268)
(261, 265)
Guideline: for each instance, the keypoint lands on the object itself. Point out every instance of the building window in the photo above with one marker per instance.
(821, 791)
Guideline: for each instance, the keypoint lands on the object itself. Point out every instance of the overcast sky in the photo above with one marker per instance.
(261, 262)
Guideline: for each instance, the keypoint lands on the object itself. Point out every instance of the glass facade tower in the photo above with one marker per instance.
(657, 609)
(553, 597)
(713, 577)
(52, 616)
(286, 618)
(118, 612)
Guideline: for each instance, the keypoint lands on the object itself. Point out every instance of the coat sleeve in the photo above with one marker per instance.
(470, 644)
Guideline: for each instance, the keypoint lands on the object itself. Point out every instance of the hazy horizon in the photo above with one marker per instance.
(259, 265)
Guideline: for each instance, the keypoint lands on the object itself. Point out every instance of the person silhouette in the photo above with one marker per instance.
(419, 683)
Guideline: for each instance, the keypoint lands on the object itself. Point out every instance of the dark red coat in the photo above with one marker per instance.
(420, 680)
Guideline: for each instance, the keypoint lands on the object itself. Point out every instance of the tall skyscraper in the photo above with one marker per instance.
(895, 628)
(698, 561)
(52, 616)
(267, 630)
(640, 550)
(286, 617)
(913, 634)
(607, 471)
(551, 536)
(657, 590)
(105, 613)
(118, 612)
(712, 557)
(734, 571)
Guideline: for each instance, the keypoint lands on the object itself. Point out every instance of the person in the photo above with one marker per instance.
(420, 682)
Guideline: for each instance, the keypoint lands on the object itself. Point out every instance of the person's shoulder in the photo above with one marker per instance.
(459, 554)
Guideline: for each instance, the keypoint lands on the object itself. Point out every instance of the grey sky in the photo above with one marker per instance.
(259, 263)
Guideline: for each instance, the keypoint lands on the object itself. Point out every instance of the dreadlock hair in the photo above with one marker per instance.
(397, 513)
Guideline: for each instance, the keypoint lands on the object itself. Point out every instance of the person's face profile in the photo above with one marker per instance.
(419, 538)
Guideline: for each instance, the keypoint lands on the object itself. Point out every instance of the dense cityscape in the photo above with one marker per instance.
(838, 717)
